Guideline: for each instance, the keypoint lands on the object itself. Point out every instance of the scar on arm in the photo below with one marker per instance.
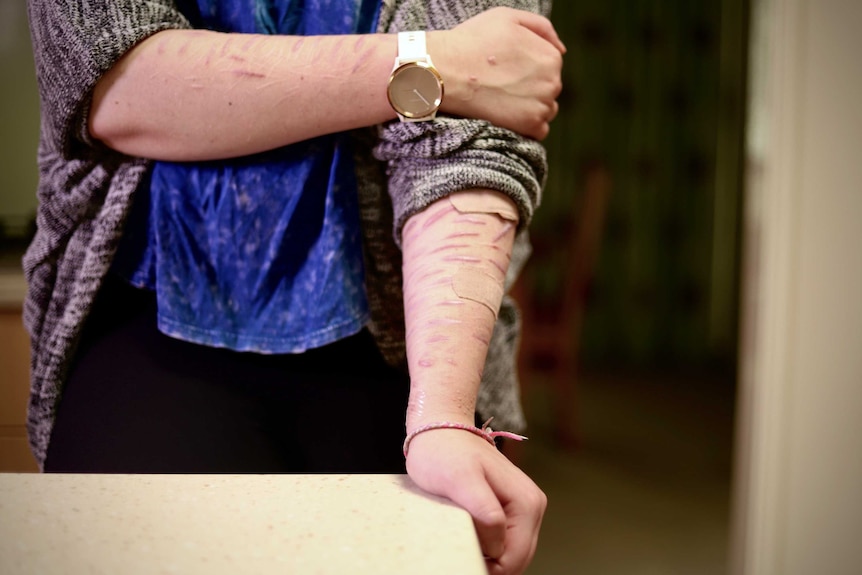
(361, 60)
(252, 40)
(437, 216)
(363, 54)
(439, 338)
(447, 247)
(507, 227)
(441, 282)
(407, 230)
(498, 265)
(463, 259)
(443, 321)
(462, 234)
(225, 46)
(316, 54)
(470, 220)
(422, 274)
(209, 56)
(336, 49)
(481, 338)
(430, 274)
(248, 74)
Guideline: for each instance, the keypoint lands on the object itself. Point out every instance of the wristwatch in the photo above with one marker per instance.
(415, 86)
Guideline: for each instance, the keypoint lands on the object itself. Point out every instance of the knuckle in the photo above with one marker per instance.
(543, 131)
(557, 87)
(553, 60)
(543, 500)
(491, 516)
(537, 501)
(537, 497)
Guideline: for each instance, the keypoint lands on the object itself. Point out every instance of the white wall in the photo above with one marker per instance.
(798, 484)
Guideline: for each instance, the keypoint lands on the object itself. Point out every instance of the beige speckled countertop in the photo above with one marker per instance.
(296, 524)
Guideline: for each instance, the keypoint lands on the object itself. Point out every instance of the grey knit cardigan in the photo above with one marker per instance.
(85, 190)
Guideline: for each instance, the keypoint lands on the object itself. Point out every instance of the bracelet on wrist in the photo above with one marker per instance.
(485, 432)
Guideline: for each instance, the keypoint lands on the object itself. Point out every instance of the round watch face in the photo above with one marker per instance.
(415, 90)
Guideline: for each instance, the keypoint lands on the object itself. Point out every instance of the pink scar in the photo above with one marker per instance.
(248, 74)
(437, 216)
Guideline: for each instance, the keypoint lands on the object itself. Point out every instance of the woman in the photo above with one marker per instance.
(205, 172)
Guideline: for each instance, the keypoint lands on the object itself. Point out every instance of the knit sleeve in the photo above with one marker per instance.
(429, 160)
(75, 43)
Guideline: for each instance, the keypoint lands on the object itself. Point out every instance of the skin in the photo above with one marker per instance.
(447, 340)
(162, 99)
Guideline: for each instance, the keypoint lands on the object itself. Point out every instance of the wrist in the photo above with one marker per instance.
(485, 432)
(420, 416)
(434, 400)
(441, 46)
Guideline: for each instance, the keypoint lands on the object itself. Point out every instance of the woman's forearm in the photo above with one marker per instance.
(456, 253)
(202, 95)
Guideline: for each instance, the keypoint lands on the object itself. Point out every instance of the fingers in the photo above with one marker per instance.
(515, 83)
(543, 124)
(489, 518)
(506, 506)
(507, 510)
(522, 536)
(541, 26)
(524, 505)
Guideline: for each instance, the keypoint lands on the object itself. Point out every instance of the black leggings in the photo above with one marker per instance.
(137, 401)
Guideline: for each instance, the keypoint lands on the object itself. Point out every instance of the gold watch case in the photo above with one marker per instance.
(415, 90)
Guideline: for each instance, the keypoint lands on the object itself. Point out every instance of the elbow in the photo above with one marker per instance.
(106, 121)
(115, 124)
(98, 128)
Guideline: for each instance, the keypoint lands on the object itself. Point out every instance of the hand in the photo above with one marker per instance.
(503, 66)
(506, 506)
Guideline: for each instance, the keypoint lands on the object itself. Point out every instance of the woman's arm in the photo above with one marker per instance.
(456, 254)
(447, 336)
(200, 95)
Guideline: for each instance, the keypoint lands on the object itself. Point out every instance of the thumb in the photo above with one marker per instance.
(541, 26)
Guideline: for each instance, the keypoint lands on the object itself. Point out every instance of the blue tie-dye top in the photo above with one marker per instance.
(260, 253)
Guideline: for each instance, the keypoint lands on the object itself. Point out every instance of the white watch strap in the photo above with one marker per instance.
(411, 46)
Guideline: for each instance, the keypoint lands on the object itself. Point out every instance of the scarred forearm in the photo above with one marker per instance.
(202, 95)
(456, 253)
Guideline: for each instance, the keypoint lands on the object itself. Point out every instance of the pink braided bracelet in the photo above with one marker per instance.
(484, 431)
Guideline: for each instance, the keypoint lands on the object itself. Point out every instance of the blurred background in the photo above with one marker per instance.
(631, 300)
(669, 301)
